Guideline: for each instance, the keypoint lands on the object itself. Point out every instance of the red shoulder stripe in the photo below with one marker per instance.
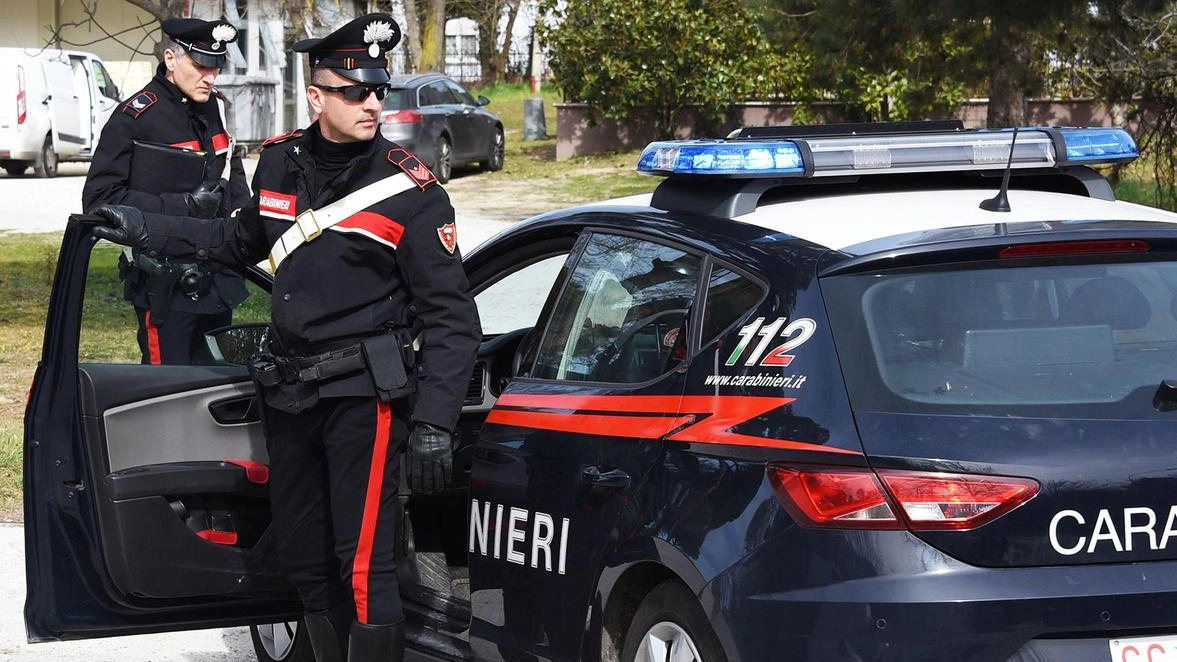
(274, 140)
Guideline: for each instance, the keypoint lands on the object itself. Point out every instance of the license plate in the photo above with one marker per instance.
(1144, 649)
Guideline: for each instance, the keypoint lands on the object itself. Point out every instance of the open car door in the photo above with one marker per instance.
(146, 503)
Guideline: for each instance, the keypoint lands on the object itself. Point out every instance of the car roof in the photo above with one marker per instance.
(855, 222)
(416, 80)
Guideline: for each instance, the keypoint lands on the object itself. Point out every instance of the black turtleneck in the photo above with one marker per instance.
(332, 158)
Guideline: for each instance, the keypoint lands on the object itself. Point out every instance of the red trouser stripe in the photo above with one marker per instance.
(359, 568)
(153, 353)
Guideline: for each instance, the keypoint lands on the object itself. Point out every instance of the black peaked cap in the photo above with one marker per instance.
(206, 41)
(357, 51)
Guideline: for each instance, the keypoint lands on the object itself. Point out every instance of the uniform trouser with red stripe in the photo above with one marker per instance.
(180, 340)
(334, 472)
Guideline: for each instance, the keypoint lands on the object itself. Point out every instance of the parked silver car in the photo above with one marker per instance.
(434, 117)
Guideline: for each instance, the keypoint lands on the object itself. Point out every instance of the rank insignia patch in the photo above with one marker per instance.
(140, 103)
(448, 234)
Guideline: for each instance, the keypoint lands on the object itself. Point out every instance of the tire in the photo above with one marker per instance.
(16, 169)
(281, 642)
(444, 166)
(669, 624)
(497, 152)
(46, 165)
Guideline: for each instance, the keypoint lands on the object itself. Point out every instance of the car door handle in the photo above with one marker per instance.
(235, 411)
(613, 479)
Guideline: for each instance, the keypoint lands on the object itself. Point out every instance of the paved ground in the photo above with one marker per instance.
(44, 205)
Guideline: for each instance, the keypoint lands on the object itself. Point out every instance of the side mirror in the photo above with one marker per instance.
(237, 344)
(482, 100)
(115, 93)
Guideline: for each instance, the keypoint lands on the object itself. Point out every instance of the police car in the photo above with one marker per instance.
(829, 393)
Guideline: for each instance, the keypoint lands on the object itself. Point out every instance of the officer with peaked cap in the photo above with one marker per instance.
(362, 242)
(176, 300)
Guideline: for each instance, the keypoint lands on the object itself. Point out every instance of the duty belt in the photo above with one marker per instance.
(271, 370)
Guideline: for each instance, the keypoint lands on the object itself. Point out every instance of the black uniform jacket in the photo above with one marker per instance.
(161, 114)
(394, 263)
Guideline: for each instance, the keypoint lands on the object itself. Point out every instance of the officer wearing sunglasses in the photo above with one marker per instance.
(362, 242)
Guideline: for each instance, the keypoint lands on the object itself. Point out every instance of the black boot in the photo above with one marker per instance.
(377, 643)
(329, 633)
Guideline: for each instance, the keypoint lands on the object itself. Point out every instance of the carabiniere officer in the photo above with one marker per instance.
(363, 245)
(179, 110)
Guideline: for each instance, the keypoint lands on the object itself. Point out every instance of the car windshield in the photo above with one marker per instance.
(988, 339)
(398, 98)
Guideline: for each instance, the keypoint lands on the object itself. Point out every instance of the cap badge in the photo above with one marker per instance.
(223, 32)
(375, 33)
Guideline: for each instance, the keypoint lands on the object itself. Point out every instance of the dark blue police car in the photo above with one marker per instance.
(808, 401)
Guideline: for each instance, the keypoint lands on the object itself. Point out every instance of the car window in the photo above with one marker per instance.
(105, 84)
(460, 93)
(109, 325)
(398, 98)
(515, 301)
(436, 94)
(622, 317)
(1066, 334)
(729, 297)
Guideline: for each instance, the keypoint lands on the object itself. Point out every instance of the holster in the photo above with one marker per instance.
(386, 363)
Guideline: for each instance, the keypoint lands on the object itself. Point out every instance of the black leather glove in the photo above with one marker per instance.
(126, 225)
(430, 459)
(205, 201)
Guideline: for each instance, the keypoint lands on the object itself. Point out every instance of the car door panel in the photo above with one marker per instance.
(564, 453)
(143, 511)
(162, 429)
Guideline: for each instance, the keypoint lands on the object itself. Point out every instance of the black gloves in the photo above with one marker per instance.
(127, 226)
(430, 459)
(205, 201)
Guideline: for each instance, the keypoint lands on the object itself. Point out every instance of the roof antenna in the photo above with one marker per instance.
(1000, 202)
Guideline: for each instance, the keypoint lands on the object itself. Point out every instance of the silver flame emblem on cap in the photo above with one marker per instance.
(375, 33)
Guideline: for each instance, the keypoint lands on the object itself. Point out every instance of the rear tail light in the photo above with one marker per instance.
(21, 97)
(401, 117)
(858, 498)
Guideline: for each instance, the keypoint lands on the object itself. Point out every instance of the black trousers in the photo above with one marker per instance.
(334, 473)
(179, 341)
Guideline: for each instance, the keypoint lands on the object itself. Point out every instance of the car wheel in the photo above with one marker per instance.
(281, 642)
(669, 624)
(46, 165)
(495, 161)
(444, 166)
(15, 169)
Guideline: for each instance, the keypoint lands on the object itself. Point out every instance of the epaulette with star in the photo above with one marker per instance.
(281, 138)
(139, 104)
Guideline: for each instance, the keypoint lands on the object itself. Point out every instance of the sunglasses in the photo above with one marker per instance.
(358, 92)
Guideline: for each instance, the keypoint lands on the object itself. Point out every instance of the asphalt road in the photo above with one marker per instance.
(31, 205)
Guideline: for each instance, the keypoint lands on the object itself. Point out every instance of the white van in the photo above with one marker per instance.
(53, 105)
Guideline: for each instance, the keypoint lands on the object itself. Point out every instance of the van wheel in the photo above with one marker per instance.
(669, 624)
(281, 642)
(46, 165)
(15, 169)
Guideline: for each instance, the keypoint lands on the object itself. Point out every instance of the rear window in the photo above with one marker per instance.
(1099, 338)
(398, 98)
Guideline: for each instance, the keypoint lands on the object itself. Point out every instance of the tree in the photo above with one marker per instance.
(635, 60)
(1129, 58)
(488, 14)
(880, 58)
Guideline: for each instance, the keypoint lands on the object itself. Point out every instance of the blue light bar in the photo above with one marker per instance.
(849, 154)
(717, 157)
(1098, 145)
